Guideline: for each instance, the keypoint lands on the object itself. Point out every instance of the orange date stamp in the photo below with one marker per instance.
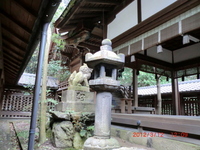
(179, 134)
(159, 134)
(148, 134)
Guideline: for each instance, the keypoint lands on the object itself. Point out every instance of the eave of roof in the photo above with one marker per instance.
(29, 79)
(17, 57)
(186, 86)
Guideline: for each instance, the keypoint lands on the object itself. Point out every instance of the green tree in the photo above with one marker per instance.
(58, 71)
(32, 65)
(144, 79)
(127, 77)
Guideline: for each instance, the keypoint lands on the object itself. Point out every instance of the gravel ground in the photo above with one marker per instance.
(9, 141)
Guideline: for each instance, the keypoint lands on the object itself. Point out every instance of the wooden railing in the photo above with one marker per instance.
(16, 104)
(14, 114)
(63, 85)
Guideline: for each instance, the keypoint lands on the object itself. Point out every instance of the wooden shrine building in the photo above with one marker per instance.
(20, 32)
(159, 37)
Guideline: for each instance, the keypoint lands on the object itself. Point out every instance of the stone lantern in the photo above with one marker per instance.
(105, 64)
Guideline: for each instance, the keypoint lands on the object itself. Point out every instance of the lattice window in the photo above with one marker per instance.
(191, 106)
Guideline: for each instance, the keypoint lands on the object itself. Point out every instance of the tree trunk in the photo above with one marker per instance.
(43, 103)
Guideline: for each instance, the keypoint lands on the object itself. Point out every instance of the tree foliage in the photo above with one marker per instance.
(32, 65)
(144, 79)
(54, 68)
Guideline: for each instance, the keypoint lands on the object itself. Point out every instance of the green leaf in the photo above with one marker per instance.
(83, 133)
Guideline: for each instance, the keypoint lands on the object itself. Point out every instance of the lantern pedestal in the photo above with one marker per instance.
(105, 64)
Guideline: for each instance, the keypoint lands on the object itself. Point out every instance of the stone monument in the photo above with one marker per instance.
(78, 97)
(75, 111)
(105, 64)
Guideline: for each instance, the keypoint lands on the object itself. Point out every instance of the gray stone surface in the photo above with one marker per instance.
(103, 114)
(63, 134)
(80, 78)
(157, 143)
(60, 115)
(77, 101)
(105, 63)
(78, 141)
(5, 135)
(95, 143)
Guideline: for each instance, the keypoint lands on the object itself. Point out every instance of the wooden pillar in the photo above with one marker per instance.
(159, 99)
(182, 105)
(1, 96)
(175, 95)
(122, 105)
(1, 71)
(129, 101)
(135, 88)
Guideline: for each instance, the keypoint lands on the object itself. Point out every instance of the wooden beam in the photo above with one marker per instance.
(13, 53)
(88, 15)
(95, 9)
(67, 28)
(187, 64)
(11, 63)
(70, 12)
(111, 15)
(139, 11)
(103, 2)
(14, 21)
(9, 42)
(160, 122)
(10, 71)
(92, 43)
(25, 41)
(16, 60)
(96, 38)
(154, 61)
(92, 48)
(164, 15)
(25, 8)
(11, 68)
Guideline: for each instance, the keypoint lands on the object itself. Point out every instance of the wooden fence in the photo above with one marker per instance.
(190, 104)
(18, 103)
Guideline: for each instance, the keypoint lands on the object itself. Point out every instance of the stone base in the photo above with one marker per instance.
(95, 143)
(79, 88)
(75, 107)
(77, 101)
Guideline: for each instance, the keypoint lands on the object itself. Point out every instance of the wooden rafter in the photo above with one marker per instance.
(25, 41)
(67, 28)
(6, 56)
(63, 22)
(11, 63)
(95, 9)
(153, 60)
(11, 67)
(9, 42)
(92, 48)
(10, 73)
(25, 9)
(102, 2)
(14, 21)
(92, 43)
(14, 54)
(86, 15)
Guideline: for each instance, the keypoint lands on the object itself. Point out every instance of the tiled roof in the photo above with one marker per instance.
(186, 86)
(29, 79)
